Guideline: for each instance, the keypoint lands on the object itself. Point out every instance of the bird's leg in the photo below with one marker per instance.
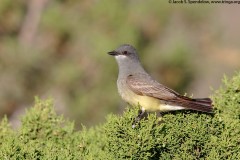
(159, 117)
(141, 113)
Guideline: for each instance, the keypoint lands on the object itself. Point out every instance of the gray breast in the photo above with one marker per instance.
(124, 90)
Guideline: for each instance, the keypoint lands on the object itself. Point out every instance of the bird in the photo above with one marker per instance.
(138, 88)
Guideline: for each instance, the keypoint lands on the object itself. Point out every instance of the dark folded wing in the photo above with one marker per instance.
(143, 84)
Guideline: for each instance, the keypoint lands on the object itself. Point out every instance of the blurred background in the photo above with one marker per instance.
(59, 48)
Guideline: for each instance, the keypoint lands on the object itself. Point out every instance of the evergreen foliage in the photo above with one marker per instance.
(180, 135)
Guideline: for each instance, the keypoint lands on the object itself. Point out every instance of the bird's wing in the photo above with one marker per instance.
(143, 84)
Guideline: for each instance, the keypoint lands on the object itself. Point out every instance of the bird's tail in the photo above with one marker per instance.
(199, 104)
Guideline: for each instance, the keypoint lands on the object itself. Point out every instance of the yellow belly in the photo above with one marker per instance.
(148, 103)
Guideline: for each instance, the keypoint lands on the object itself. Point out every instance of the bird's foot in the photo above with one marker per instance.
(159, 118)
(141, 114)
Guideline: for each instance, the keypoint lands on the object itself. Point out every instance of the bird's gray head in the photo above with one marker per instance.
(127, 58)
(125, 52)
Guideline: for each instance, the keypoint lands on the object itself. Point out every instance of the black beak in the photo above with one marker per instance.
(113, 53)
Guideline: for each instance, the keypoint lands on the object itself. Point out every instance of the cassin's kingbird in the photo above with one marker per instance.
(137, 87)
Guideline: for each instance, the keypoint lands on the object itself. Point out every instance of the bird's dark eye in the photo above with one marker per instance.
(125, 52)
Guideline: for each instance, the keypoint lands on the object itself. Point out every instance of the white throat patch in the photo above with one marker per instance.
(120, 57)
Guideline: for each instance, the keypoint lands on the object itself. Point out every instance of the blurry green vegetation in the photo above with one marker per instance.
(67, 56)
(183, 134)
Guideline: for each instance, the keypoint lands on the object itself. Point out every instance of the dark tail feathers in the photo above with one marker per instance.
(199, 104)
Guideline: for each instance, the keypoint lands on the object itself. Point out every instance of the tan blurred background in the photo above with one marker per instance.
(58, 49)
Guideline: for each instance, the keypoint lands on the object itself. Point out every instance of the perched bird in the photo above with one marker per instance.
(137, 87)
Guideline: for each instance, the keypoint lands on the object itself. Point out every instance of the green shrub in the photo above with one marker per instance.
(43, 135)
(181, 135)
